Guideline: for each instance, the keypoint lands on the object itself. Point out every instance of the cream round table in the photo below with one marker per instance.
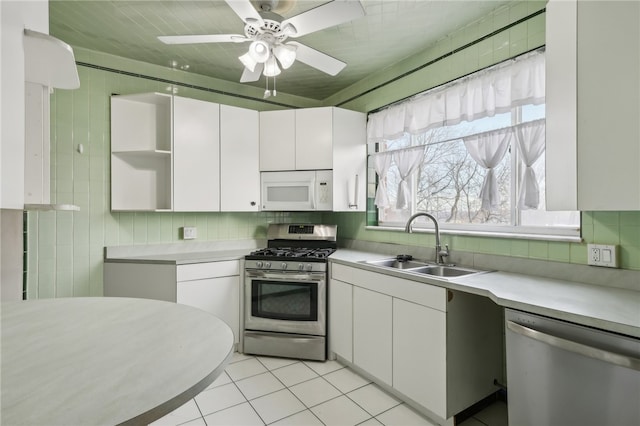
(102, 360)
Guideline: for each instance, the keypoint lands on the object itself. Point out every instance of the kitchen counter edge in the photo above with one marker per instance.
(606, 308)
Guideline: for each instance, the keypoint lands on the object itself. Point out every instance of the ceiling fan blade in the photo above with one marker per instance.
(317, 59)
(249, 76)
(206, 38)
(327, 15)
(245, 10)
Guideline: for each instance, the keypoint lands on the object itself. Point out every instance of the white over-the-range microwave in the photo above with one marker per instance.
(297, 190)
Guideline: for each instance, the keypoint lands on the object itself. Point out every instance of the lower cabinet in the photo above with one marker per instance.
(420, 354)
(372, 340)
(340, 319)
(439, 350)
(211, 286)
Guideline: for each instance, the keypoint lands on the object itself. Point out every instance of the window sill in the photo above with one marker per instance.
(492, 234)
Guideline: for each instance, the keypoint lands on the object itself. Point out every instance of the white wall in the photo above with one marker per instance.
(15, 16)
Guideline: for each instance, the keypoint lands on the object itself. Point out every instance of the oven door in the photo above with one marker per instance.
(286, 302)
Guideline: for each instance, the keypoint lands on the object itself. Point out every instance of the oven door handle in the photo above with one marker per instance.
(287, 275)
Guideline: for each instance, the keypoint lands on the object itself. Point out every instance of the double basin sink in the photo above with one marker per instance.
(425, 268)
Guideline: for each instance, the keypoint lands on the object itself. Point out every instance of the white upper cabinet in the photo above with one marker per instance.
(277, 140)
(325, 138)
(196, 155)
(314, 139)
(593, 105)
(240, 157)
(141, 144)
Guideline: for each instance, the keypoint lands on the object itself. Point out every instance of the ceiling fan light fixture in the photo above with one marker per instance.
(286, 55)
(259, 51)
(248, 61)
(271, 68)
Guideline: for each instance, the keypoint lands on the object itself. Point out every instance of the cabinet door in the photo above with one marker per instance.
(196, 155)
(219, 296)
(419, 354)
(277, 140)
(372, 333)
(239, 159)
(608, 105)
(560, 97)
(349, 160)
(341, 319)
(314, 138)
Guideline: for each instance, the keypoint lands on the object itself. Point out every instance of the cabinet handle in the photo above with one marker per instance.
(355, 195)
(253, 203)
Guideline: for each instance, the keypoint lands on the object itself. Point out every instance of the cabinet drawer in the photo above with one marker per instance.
(414, 291)
(198, 271)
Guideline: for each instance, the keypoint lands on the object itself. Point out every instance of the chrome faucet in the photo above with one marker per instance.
(440, 254)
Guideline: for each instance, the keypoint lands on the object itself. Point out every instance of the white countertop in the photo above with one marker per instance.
(607, 308)
(97, 361)
(183, 258)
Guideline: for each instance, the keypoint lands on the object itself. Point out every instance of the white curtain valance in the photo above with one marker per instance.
(483, 94)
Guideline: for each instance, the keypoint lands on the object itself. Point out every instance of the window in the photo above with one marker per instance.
(479, 169)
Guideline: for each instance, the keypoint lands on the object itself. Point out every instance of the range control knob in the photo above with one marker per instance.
(258, 264)
(300, 266)
(267, 265)
(284, 265)
(309, 267)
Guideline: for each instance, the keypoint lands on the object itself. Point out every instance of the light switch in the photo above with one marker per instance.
(606, 255)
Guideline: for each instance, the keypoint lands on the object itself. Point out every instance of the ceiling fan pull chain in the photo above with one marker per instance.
(267, 93)
(274, 86)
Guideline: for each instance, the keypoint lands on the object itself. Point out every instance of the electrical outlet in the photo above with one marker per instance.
(189, 233)
(602, 255)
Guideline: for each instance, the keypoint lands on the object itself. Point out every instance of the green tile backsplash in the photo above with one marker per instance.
(66, 248)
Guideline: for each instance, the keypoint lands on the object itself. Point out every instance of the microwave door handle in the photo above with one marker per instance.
(312, 194)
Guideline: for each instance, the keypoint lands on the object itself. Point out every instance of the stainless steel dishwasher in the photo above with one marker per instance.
(563, 374)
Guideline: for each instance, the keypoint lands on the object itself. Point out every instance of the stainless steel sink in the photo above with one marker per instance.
(425, 268)
(445, 271)
(398, 264)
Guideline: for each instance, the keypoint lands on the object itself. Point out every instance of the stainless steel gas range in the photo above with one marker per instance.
(285, 292)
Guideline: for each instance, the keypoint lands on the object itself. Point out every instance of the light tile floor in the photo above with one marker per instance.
(278, 391)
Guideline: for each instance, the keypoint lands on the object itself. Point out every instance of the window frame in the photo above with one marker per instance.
(513, 230)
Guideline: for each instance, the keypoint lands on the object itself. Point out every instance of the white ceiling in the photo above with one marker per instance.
(389, 32)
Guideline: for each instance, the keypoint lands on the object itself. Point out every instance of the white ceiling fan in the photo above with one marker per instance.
(268, 33)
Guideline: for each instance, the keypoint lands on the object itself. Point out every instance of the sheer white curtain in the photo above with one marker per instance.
(488, 150)
(495, 90)
(381, 164)
(530, 138)
(407, 161)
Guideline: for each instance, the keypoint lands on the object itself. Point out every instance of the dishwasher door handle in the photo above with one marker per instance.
(579, 348)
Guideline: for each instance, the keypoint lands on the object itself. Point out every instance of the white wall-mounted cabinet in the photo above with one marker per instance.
(326, 138)
(593, 105)
(15, 16)
(141, 148)
(170, 153)
(439, 349)
(278, 140)
(196, 155)
(239, 159)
